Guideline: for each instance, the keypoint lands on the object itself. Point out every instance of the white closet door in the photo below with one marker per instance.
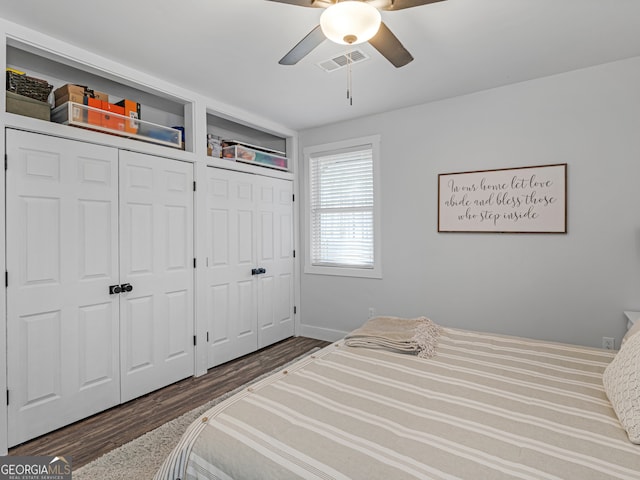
(231, 287)
(156, 259)
(274, 242)
(62, 255)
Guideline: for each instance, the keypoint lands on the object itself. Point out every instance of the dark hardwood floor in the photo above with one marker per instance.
(92, 437)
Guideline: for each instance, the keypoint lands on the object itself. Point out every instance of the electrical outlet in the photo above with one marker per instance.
(372, 312)
(609, 343)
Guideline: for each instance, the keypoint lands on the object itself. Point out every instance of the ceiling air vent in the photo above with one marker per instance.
(341, 61)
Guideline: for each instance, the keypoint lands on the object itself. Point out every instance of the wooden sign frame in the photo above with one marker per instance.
(507, 200)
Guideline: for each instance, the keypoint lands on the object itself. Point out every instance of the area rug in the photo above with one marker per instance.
(141, 458)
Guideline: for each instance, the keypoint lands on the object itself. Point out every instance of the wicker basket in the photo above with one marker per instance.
(28, 86)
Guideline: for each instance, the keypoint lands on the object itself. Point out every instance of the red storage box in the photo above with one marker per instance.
(131, 110)
(113, 122)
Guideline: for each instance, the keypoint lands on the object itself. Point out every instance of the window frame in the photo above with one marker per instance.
(332, 148)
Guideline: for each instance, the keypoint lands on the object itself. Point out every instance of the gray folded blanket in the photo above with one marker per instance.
(404, 335)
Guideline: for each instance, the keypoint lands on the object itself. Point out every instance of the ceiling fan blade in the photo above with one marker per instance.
(390, 47)
(314, 38)
(306, 3)
(402, 4)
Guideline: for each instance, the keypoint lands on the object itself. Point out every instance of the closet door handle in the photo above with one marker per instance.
(255, 271)
(262, 270)
(114, 289)
(126, 287)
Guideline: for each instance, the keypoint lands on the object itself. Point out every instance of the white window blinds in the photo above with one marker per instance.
(342, 208)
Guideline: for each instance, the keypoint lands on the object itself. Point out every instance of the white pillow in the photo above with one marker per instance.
(635, 328)
(621, 380)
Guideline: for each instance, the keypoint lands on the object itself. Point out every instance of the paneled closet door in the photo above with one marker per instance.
(274, 243)
(231, 286)
(156, 259)
(62, 256)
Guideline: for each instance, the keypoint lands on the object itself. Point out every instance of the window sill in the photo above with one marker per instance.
(375, 272)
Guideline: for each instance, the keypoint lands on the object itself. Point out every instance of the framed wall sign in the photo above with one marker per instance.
(509, 200)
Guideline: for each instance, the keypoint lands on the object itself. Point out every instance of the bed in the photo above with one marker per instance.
(483, 407)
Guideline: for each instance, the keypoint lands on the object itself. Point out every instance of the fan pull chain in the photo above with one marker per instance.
(349, 81)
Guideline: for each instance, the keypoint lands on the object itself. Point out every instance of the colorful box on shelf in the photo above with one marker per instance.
(115, 120)
(96, 118)
(131, 111)
(252, 154)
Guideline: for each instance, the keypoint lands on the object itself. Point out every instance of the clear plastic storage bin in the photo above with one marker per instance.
(93, 118)
(246, 154)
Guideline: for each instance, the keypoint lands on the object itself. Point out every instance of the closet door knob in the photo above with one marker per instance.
(114, 289)
(255, 271)
(126, 287)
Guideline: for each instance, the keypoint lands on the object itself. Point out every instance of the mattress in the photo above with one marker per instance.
(485, 407)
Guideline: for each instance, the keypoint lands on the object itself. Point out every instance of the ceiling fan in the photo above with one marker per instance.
(350, 22)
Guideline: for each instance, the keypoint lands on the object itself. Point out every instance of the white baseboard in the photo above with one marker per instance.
(319, 333)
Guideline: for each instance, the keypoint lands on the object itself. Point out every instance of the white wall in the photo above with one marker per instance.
(571, 288)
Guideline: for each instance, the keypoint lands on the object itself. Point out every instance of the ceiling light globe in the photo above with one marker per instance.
(350, 22)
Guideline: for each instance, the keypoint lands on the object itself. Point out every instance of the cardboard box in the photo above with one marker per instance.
(71, 88)
(114, 122)
(72, 97)
(28, 106)
(68, 89)
(97, 95)
(131, 110)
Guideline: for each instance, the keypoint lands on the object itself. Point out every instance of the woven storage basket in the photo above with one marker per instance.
(28, 86)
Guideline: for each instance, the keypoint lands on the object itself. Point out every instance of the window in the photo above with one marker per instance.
(342, 198)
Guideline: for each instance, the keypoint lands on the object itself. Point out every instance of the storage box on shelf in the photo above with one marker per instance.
(22, 84)
(132, 112)
(253, 154)
(96, 118)
(28, 107)
(115, 120)
(27, 95)
(94, 98)
(214, 146)
(76, 93)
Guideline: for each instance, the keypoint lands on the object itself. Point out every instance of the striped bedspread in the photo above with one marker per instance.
(486, 407)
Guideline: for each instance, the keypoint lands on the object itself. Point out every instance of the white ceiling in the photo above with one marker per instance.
(229, 49)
